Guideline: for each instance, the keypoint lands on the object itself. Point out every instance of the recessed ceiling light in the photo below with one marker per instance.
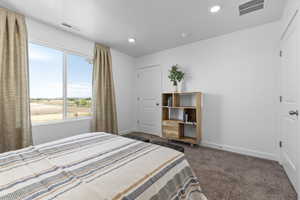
(215, 8)
(131, 40)
(184, 35)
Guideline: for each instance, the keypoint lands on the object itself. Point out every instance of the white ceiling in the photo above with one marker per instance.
(156, 24)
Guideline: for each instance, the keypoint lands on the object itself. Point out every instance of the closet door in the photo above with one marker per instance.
(290, 89)
(149, 100)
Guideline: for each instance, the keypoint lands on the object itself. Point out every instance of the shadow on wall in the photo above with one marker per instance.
(212, 114)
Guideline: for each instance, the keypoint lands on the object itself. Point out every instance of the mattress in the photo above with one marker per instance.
(97, 166)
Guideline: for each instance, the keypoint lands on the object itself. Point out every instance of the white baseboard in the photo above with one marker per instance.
(240, 150)
(125, 132)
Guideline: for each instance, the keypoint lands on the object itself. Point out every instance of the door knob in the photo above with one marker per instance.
(294, 112)
(157, 104)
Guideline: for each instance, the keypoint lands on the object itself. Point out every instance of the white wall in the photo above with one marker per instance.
(238, 75)
(123, 71)
(50, 132)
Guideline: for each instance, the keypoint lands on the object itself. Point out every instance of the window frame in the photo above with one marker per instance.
(65, 52)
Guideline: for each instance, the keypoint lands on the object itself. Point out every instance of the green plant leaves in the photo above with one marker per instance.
(175, 75)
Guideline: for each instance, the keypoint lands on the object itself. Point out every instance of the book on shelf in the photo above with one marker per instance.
(185, 117)
(170, 101)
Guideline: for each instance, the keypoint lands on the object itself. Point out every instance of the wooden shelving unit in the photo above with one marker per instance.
(182, 117)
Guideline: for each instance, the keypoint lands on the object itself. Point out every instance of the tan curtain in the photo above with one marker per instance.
(104, 101)
(15, 124)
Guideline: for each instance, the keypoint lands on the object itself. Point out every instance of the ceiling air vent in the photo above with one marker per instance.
(69, 27)
(251, 6)
(66, 25)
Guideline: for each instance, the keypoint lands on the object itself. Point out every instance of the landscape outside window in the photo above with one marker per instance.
(46, 66)
(79, 87)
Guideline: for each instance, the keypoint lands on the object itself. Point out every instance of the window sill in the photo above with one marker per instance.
(61, 121)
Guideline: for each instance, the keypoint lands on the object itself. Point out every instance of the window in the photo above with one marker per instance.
(60, 84)
(79, 87)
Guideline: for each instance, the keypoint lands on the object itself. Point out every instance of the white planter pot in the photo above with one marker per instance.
(179, 86)
(174, 88)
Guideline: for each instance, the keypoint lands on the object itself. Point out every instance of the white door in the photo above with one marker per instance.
(149, 100)
(290, 85)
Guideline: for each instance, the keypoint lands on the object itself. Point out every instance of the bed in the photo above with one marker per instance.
(97, 166)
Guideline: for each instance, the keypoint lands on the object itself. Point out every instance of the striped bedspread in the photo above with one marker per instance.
(97, 166)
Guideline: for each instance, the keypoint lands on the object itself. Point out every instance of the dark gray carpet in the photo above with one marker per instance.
(229, 176)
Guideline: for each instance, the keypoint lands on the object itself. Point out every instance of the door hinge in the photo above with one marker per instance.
(138, 98)
(138, 75)
(280, 144)
(138, 121)
(280, 54)
(280, 99)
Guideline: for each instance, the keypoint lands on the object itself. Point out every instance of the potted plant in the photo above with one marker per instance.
(176, 77)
